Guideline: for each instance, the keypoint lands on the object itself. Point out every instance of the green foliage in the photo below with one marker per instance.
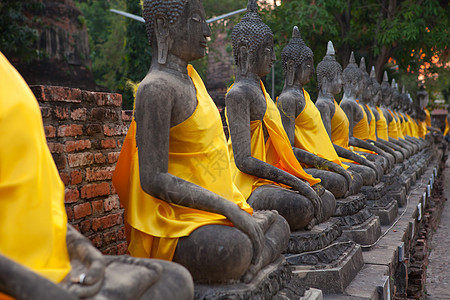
(17, 38)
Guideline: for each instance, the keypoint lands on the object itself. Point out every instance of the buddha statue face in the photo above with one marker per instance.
(353, 78)
(422, 96)
(177, 27)
(252, 42)
(329, 73)
(298, 59)
(386, 91)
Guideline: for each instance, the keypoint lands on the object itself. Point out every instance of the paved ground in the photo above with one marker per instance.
(438, 272)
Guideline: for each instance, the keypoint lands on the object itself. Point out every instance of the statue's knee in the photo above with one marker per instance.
(328, 204)
(298, 211)
(215, 253)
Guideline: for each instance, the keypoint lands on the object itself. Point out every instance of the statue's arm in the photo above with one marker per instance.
(326, 115)
(21, 283)
(342, 152)
(238, 113)
(287, 108)
(382, 146)
(153, 116)
(348, 109)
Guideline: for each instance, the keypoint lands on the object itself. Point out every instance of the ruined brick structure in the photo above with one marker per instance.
(84, 132)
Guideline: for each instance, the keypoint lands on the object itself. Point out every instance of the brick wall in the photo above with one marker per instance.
(85, 131)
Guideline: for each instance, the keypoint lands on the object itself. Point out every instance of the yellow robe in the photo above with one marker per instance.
(198, 153)
(311, 135)
(392, 127)
(277, 150)
(400, 124)
(372, 125)
(428, 117)
(422, 128)
(447, 127)
(382, 127)
(339, 127)
(361, 129)
(33, 221)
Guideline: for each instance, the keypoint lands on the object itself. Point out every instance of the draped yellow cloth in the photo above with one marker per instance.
(400, 125)
(428, 117)
(361, 129)
(447, 128)
(198, 153)
(408, 125)
(392, 127)
(277, 150)
(382, 127)
(414, 127)
(311, 135)
(339, 127)
(372, 125)
(422, 128)
(33, 221)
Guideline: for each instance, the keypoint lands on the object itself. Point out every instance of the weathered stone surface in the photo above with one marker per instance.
(387, 213)
(350, 205)
(372, 282)
(374, 192)
(365, 233)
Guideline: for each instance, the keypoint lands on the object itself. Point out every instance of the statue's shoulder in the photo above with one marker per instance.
(242, 91)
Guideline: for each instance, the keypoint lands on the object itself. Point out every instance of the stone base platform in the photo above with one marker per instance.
(334, 268)
(365, 233)
(266, 285)
(386, 212)
(319, 237)
(398, 193)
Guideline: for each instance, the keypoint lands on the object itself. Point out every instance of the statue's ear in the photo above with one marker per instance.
(243, 60)
(324, 84)
(162, 38)
(290, 72)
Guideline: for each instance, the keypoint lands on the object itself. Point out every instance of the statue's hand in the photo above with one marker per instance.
(245, 223)
(312, 193)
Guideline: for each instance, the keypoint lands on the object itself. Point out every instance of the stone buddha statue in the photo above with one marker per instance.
(329, 79)
(353, 79)
(174, 174)
(44, 257)
(301, 120)
(267, 170)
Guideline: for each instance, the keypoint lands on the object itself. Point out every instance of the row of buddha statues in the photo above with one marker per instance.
(222, 209)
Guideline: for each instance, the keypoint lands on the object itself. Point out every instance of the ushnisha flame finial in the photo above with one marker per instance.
(385, 77)
(362, 65)
(252, 6)
(352, 59)
(295, 33)
(393, 83)
(330, 49)
(372, 73)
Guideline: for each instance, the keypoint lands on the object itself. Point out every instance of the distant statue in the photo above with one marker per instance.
(41, 256)
(329, 80)
(174, 173)
(267, 170)
(303, 125)
(353, 78)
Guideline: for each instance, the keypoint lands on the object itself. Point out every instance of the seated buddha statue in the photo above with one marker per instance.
(403, 104)
(353, 81)
(329, 80)
(301, 120)
(174, 175)
(267, 170)
(44, 257)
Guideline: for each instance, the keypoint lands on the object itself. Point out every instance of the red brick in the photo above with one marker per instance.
(38, 91)
(70, 130)
(113, 189)
(114, 130)
(108, 99)
(127, 115)
(80, 159)
(85, 226)
(109, 237)
(76, 177)
(113, 157)
(78, 114)
(93, 129)
(60, 160)
(122, 248)
(103, 114)
(55, 147)
(77, 228)
(121, 234)
(61, 113)
(71, 196)
(108, 144)
(69, 213)
(77, 145)
(82, 210)
(94, 174)
(97, 206)
(62, 94)
(96, 224)
(111, 220)
(46, 112)
(111, 203)
(110, 251)
(88, 96)
(96, 240)
(95, 190)
(50, 131)
(65, 178)
(99, 158)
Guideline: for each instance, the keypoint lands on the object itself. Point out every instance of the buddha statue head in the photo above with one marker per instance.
(422, 96)
(395, 94)
(252, 42)
(374, 88)
(177, 27)
(298, 62)
(366, 93)
(353, 78)
(404, 100)
(329, 73)
(386, 91)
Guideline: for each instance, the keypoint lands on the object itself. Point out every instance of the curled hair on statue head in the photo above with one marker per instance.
(328, 68)
(249, 32)
(153, 9)
(296, 51)
(352, 73)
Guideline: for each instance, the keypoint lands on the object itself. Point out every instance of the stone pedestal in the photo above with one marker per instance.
(380, 203)
(266, 285)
